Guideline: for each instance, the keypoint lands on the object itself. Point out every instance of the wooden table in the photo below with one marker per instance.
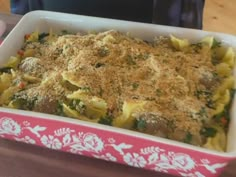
(23, 160)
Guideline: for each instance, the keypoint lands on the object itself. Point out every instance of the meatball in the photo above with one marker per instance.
(46, 105)
(151, 123)
(154, 124)
(32, 66)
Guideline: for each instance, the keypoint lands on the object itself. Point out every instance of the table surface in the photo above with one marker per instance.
(24, 160)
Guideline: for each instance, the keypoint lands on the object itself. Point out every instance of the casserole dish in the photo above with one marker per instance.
(100, 141)
(2, 27)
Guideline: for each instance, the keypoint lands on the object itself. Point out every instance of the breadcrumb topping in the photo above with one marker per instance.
(117, 67)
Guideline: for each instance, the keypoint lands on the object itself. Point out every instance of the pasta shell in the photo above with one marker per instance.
(208, 41)
(179, 44)
(223, 69)
(225, 98)
(219, 108)
(229, 57)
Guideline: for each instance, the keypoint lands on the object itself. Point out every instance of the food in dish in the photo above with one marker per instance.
(167, 88)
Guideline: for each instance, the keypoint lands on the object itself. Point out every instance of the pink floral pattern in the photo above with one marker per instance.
(51, 142)
(9, 126)
(106, 156)
(92, 142)
(110, 146)
(135, 160)
(26, 139)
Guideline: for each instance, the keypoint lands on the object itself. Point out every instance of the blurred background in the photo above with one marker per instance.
(218, 15)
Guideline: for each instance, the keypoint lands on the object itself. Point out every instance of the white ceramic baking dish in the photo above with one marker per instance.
(100, 141)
